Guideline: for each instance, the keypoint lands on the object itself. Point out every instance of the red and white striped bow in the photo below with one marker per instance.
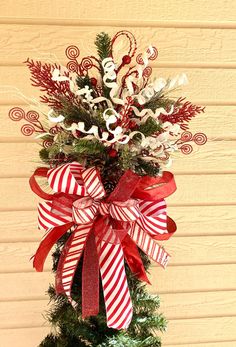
(100, 226)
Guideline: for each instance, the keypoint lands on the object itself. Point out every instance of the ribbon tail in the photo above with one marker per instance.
(133, 259)
(35, 187)
(70, 257)
(148, 245)
(58, 279)
(117, 299)
(52, 236)
(90, 279)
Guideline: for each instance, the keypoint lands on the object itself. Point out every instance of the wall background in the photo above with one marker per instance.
(198, 290)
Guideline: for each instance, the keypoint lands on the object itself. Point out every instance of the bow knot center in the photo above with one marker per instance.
(86, 209)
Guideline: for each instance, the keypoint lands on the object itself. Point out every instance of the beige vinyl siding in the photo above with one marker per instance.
(198, 289)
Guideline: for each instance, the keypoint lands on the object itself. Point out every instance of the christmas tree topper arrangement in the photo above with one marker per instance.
(110, 134)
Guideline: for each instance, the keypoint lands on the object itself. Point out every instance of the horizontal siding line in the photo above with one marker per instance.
(45, 297)
(202, 317)
(182, 173)
(154, 265)
(20, 140)
(170, 265)
(199, 343)
(95, 22)
(47, 324)
(206, 173)
(201, 264)
(189, 235)
(228, 203)
(222, 203)
(27, 299)
(32, 140)
(34, 240)
(19, 102)
(18, 209)
(174, 291)
(177, 65)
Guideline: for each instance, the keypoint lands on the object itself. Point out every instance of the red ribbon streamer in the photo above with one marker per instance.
(90, 279)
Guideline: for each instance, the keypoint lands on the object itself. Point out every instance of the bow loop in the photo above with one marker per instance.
(85, 210)
(67, 179)
(93, 183)
(125, 211)
(153, 217)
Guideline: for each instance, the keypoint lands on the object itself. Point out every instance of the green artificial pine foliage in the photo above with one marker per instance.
(70, 330)
(149, 127)
(103, 44)
(83, 81)
(44, 154)
(147, 168)
(89, 147)
(158, 101)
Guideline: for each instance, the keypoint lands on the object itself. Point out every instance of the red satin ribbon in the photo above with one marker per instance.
(155, 188)
(49, 241)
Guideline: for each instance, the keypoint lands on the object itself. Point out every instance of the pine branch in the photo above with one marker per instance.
(75, 114)
(149, 127)
(103, 44)
(88, 147)
(83, 81)
(147, 168)
(158, 101)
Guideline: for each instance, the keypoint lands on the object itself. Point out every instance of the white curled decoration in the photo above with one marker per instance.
(147, 112)
(56, 76)
(110, 76)
(171, 128)
(111, 117)
(151, 89)
(87, 93)
(177, 81)
(120, 138)
(57, 119)
(109, 81)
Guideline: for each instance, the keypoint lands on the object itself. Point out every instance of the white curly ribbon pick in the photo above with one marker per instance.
(58, 76)
(110, 115)
(57, 119)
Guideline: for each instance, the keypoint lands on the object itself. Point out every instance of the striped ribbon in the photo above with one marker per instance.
(79, 204)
